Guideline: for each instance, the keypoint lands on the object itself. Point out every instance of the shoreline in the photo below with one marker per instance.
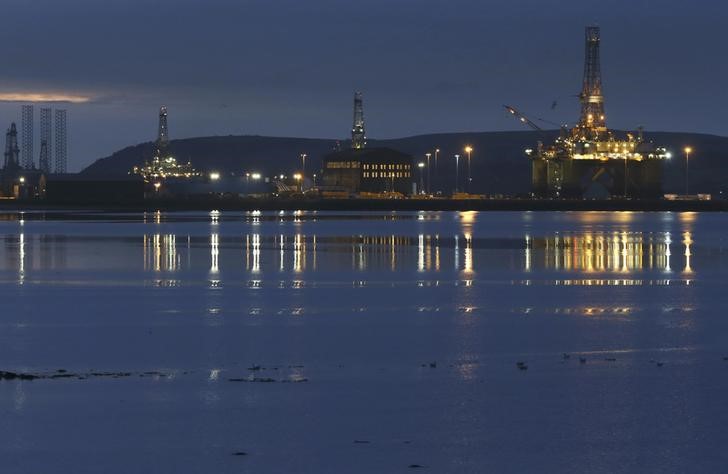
(223, 204)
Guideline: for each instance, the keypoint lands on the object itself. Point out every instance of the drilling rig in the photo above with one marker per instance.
(589, 160)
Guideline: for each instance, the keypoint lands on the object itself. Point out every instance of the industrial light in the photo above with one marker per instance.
(255, 175)
(214, 176)
(22, 179)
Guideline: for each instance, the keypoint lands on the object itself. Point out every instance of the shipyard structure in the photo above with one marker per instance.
(362, 171)
(589, 160)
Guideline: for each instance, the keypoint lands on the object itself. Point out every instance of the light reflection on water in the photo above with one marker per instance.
(622, 253)
(619, 253)
(612, 249)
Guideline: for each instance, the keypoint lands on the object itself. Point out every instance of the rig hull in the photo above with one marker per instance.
(597, 178)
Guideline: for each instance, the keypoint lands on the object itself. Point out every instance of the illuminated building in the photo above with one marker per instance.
(589, 158)
(368, 170)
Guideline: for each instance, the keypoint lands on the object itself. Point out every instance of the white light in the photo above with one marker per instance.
(255, 175)
(214, 176)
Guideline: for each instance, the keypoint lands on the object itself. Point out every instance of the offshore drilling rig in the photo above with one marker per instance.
(589, 159)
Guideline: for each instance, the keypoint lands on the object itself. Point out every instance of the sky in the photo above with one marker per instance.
(290, 67)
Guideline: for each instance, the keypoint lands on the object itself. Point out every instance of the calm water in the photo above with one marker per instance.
(364, 342)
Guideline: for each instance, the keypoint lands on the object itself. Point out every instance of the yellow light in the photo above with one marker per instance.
(468, 149)
(688, 150)
(157, 185)
(297, 176)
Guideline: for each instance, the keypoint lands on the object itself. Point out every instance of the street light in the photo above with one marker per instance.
(303, 168)
(421, 166)
(299, 177)
(469, 150)
(687, 151)
(214, 176)
(457, 172)
(429, 183)
(255, 176)
(437, 152)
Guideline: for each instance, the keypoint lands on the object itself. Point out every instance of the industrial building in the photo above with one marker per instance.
(589, 160)
(362, 170)
(368, 170)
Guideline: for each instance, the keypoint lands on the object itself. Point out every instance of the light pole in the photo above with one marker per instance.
(687, 151)
(303, 169)
(469, 150)
(421, 166)
(457, 172)
(437, 152)
(429, 183)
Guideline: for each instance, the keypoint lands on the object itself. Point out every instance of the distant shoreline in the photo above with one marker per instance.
(223, 204)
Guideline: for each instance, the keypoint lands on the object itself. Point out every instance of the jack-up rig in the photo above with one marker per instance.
(589, 159)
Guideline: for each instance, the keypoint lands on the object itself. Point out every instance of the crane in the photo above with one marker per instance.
(521, 117)
(530, 123)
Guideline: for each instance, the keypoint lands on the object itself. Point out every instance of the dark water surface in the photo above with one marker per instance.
(364, 342)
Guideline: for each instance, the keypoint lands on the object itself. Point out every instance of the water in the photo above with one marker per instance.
(379, 341)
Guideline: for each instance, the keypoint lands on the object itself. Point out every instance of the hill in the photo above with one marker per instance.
(498, 162)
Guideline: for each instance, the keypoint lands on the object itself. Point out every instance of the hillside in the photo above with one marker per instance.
(498, 163)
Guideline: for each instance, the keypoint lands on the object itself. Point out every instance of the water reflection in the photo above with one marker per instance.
(592, 252)
(687, 242)
(160, 252)
(214, 253)
(624, 254)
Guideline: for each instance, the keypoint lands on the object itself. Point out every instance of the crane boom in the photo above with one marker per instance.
(521, 117)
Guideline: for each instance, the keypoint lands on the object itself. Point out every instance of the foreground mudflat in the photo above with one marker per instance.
(363, 342)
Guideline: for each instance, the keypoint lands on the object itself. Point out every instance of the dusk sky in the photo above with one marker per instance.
(290, 67)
